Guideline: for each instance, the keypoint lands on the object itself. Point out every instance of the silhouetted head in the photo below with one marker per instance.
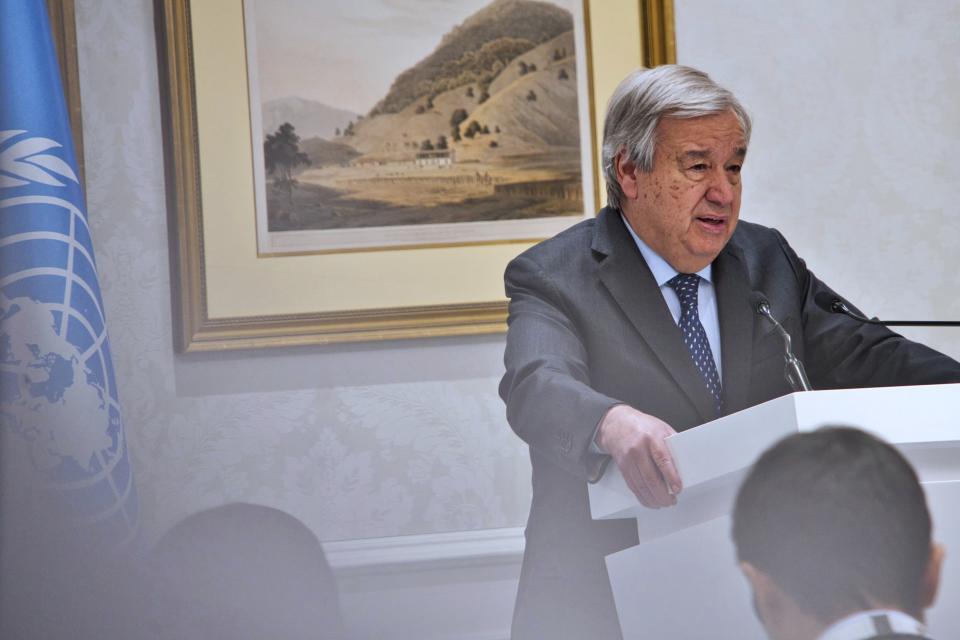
(829, 523)
(244, 571)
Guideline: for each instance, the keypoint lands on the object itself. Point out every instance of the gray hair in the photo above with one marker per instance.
(642, 99)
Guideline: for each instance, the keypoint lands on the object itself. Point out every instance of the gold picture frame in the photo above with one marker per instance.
(63, 27)
(226, 297)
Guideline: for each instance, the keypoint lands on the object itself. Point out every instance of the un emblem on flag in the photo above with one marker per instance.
(60, 421)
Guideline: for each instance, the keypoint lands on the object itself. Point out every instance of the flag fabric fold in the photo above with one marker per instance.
(63, 453)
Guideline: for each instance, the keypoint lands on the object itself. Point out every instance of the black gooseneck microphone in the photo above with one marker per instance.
(834, 304)
(793, 369)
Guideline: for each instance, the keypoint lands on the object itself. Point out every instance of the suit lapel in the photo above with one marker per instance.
(737, 319)
(627, 277)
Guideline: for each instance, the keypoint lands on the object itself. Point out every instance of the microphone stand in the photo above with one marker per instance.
(793, 368)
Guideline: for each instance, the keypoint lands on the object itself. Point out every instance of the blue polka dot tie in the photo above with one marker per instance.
(687, 286)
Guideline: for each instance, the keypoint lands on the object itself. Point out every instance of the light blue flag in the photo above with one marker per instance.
(61, 433)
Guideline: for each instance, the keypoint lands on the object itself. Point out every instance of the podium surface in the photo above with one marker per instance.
(681, 581)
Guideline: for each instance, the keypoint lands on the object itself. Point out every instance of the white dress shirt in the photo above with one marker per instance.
(867, 624)
(706, 295)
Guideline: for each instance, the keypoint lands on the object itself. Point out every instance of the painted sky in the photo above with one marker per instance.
(346, 53)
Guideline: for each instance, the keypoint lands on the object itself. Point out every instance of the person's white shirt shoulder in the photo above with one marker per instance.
(868, 624)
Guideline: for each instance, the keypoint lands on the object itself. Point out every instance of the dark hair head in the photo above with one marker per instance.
(837, 518)
(244, 571)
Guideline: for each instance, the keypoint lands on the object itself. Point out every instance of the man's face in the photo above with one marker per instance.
(687, 207)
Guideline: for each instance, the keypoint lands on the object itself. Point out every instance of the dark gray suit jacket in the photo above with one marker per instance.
(589, 329)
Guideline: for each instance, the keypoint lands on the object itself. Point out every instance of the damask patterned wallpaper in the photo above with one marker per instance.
(360, 441)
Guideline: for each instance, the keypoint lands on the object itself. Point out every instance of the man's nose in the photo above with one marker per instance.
(721, 190)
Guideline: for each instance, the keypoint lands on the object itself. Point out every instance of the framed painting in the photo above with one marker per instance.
(454, 123)
(365, 170)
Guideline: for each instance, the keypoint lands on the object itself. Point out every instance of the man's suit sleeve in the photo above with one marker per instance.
(546, 387)
(842, 353)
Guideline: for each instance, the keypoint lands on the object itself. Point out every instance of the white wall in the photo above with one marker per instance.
(855, 140)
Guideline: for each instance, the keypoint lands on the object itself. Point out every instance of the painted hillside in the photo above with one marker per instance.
(471, 51)
(485, 127)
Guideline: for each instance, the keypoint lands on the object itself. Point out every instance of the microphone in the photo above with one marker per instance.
(793, 369)
(833, 304)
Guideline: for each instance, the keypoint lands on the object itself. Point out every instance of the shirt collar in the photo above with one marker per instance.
(860, 625)
(661, 269)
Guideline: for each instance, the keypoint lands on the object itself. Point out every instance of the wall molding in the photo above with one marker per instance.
(458, 585)
(433, 551)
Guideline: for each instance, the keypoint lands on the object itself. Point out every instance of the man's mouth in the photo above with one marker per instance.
(712, 221)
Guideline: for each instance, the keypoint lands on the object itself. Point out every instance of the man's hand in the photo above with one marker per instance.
(635, 440)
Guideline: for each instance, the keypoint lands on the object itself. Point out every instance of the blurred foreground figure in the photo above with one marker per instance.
(833, 533)
(243, 571)
(56, 583)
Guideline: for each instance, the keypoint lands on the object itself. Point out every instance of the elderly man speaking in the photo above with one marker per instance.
(641, 322)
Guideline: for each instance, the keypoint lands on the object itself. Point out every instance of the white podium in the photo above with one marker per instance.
(681, 582)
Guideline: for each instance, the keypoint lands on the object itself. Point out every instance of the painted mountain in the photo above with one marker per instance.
(484, 128)
(311, 118)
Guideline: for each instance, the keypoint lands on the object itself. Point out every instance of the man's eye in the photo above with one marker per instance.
(699, 167)
(734, 168)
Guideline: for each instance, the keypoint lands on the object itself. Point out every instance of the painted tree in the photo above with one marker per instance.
(282, 155)
(459, 115)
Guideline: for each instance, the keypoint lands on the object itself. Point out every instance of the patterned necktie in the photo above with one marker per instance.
(687, 286)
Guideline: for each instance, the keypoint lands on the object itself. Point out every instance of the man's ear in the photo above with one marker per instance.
(931, 576)
(759, 581)
(768, 598)
(779, 613)
(626, 175)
